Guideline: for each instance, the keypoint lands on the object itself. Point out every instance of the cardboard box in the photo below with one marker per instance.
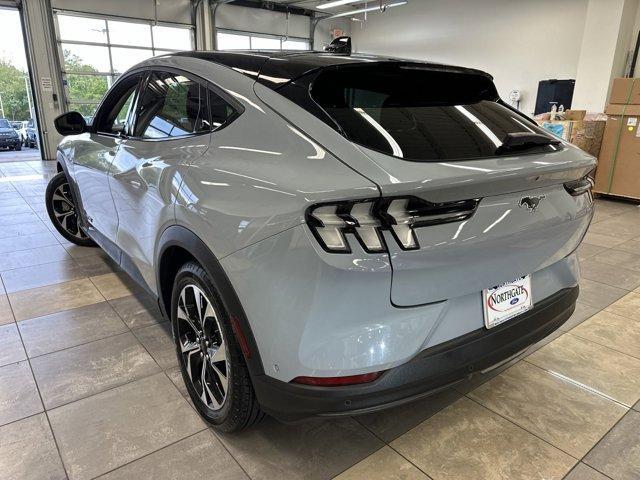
(619, 160)
(625, 91)
(587, 135)
(577, 115)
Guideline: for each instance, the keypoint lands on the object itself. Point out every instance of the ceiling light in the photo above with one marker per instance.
(368, 9)
(338, 3)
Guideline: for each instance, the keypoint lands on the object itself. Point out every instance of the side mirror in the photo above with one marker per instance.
(71, 123)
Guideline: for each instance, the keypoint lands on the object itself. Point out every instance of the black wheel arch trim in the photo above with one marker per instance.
(182, 237)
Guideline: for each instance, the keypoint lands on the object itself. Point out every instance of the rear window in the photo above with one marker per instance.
(417, 113)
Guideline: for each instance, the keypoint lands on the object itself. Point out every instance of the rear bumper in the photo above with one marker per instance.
(431, 370)
(9, 142)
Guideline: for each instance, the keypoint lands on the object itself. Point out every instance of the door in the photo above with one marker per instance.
(93, 159)
(171, 128)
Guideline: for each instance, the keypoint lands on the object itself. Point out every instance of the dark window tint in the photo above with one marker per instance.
(115, 108)
(4, 123)
(221, 111)
(172, 105)
(418, 113)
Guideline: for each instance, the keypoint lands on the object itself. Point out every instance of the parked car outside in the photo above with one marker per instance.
(9, 138)
(327, 235)
(30, 134)
(17, 126)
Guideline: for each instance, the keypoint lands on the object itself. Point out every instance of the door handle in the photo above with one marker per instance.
(146, 164)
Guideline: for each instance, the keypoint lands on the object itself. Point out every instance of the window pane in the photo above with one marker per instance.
(127, 33)
(172, 37)
(121, 115)
(220, 110)
(295, 45)
(116, 106)
(87, 87)
(85, 58)
(171, 107)
(82, 29)
(229, 41)
(386, 107)
(86, 109)
(125, 58)
(261, 43)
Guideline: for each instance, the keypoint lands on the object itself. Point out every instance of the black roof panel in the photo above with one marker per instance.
(276, 68)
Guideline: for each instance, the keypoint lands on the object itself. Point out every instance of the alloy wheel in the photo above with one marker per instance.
(64, 210)
(202, 346)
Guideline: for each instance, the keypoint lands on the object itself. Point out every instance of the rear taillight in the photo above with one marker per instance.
(579, 187)
(366, 219)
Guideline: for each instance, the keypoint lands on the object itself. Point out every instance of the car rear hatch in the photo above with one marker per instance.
(474, 194)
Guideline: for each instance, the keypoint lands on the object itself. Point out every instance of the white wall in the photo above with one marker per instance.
(519, 42)
(605, 49)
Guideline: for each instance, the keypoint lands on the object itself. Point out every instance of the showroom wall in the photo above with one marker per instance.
(518, 42)
(606, 48)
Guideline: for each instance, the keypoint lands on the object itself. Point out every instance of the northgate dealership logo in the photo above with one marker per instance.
(501, 302)
(531, 202)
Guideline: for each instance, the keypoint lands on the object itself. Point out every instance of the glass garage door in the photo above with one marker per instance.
(235, 40)
(94, 51)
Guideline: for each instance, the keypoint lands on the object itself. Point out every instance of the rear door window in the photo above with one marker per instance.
(418, 113)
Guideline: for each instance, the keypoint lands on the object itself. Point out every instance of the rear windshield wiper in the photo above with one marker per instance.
(519, 141)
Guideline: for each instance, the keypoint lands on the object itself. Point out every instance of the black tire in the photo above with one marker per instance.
(18, 147)
(239, 407)
(62, 211)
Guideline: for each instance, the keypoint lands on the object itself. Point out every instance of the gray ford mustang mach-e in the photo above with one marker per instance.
(329, 234)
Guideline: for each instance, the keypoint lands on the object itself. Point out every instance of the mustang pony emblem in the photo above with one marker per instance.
(531, 202)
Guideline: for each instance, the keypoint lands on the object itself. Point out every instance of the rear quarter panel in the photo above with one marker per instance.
(257, 179)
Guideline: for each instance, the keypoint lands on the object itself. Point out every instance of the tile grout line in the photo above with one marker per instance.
(87, 342)
(164, 371)
(598, 442)
(532, 433)
(129, 330)
(229, 452)
(174, 386)
(388, 444)
(148, 454)
(44, 410)
(524, 429)
(579, 385)
(602, 345)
